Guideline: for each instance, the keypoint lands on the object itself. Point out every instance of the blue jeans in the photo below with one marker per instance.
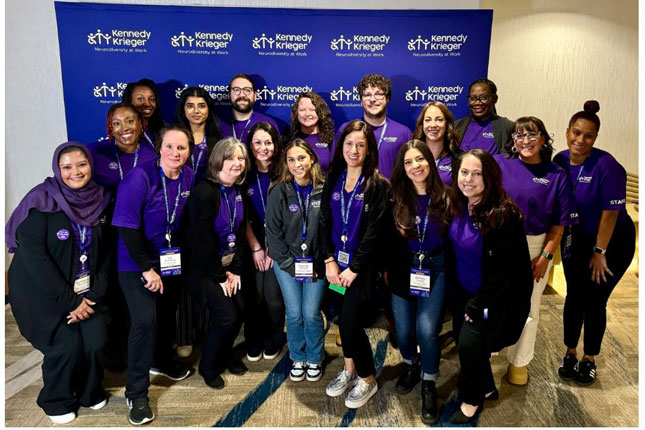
(421, 316)
(302, 301)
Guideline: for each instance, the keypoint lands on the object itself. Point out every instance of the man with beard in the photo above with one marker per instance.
(241, 91)
(376, 93)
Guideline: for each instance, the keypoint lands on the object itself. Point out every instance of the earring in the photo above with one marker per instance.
(513, 149)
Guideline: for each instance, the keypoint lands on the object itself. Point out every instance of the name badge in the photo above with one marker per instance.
(82, 282)
(420, 282)
(343, 258)
(170, 261)
(338, 288)
(304, 269)
(227, 258)
(567, 246)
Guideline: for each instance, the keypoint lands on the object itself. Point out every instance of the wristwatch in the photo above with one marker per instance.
(599, 250)
(547, 255)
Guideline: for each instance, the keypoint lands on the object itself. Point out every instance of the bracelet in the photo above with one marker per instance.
(256, 250)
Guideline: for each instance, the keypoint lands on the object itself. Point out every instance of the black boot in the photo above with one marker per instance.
(429, 413)
(409, 379)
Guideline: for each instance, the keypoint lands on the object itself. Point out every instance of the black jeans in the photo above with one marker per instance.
(73, 366)
(264, 313)
(226, 313)
(586, 302)
(153, 319)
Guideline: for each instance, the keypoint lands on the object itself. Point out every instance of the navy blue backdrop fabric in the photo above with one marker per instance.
(429, 55)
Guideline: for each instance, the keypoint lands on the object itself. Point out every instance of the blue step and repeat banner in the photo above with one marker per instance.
(428, 54)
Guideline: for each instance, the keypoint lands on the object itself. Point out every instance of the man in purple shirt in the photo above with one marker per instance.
(241, 91)
(376, 93)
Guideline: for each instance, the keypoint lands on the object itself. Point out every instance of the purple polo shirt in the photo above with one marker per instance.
(198, 161)
(432, 237)
(230, 206)
(479, 135)
(598, 184)
(468, 243)
(354, 218)
(542, 191)
(107, 159)
(321, 148)
(257, 189)
(389, 143)
(240, 129)
(140, 204)
(444, 167)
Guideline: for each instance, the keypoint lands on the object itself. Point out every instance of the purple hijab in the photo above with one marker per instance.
(83, 206)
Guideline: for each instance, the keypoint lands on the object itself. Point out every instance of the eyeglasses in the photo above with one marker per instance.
(377, 96)
(519, 137)
(246, 90)
(482, 98)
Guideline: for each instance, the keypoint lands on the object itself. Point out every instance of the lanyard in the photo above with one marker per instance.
(264, 208)
(84, 238)
(304, 210)
(170, 218)
(118, 162)
(380, 140)
(199, 157)
(231, 214)
(422, 234)
(344, 213)
(248, 121)
(149, 139)
(575, 185)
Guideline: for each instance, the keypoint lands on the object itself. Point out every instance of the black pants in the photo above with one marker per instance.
(152, 330)
(73, 366)
(264, 313)
(586, 302)
(227, 315)
(356, 311)
(117, 321)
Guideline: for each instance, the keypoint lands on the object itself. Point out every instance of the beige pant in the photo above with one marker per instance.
(522, 352)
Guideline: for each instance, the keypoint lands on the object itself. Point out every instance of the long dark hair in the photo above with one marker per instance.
(496, 206)
(450, 137)
(211, 129)
(274, 168)
(405, 195)
(155, 122)
(370, 164)
(531, 123)
(325, 123)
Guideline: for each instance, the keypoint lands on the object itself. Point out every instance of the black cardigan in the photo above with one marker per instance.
(502, 130)
(43, 270)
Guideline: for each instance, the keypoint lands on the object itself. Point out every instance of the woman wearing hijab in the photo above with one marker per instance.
(57, 276)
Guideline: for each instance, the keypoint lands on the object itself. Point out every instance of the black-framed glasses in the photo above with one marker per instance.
(532, 136)
(246, 90)
(482, 98)
(377, 96)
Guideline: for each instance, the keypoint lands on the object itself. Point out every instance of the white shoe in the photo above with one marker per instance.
(63, 419)
(297, 372)
(99, 405)
(314, 372)
(341, 383)
(361, 393)
(184, 351)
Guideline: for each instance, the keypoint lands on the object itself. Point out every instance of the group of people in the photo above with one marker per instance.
(200, 226)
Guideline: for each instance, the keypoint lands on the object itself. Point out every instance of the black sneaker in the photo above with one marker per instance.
(586, 372)
(172, 370)
(140, 412)
(236, 367)
(568, 367)
(429, 411)
(409, 379)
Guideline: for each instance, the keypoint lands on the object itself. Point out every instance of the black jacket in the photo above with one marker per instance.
(284, 229)
(507, 284)
(502, 130)
(204, 265)
(43, 270)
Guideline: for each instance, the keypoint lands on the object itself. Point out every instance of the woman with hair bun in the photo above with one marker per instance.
(144, 96)
(596, 252)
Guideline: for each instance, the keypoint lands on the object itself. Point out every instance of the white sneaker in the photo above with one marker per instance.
(99, 405)
(361, 393)
(63, 419)
(314, 372)
(341, 383)
(297, 372)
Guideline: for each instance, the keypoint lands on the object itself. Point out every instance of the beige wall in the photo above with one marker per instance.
(548, 57)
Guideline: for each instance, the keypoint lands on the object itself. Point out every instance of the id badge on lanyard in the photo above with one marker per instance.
(568, 240)
(170, 258)
(82, 282)
(420, 282)
(304, 269)
(304, 266)
(82, 279)
(227, 257)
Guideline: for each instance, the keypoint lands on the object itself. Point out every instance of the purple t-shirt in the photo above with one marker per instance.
(599, 184)
(542, 191)
(354, 218)
(140, 204)
(230, 207)
(257, 189)
(479, 135)
(240, 129)
(321, 149)
(432, 237)
(444, 167)
(198, 161)
(468, 243)
(389, 143)
(110, 163)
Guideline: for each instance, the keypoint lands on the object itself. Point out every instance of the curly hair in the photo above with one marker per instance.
(378, 81)
(450, 137)
(325, 123)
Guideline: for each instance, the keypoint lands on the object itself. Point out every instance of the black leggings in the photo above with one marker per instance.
(586, 302)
